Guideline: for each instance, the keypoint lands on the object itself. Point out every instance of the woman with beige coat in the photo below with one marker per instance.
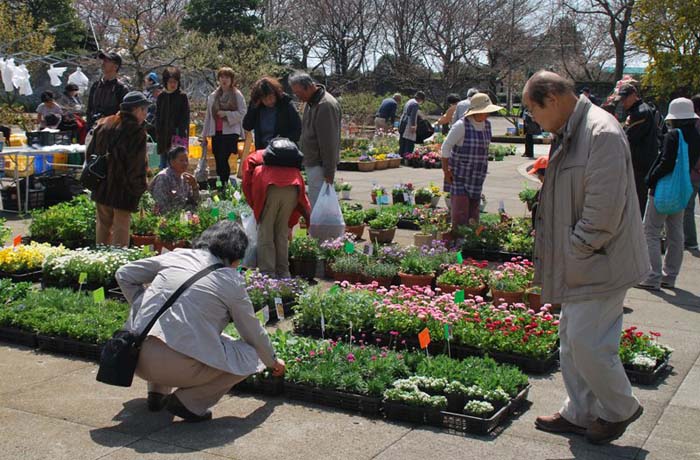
(186, 348)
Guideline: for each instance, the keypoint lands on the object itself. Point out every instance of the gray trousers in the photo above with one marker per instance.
(689, 230)
(314, 182)
(595, 379)
(654, 223)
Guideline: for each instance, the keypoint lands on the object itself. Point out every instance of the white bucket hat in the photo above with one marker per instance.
(681, 109)
(481, 103)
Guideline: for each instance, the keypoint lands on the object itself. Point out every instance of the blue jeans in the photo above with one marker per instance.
(691, 237)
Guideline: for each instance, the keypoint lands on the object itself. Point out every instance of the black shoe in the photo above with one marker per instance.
(175, 407)
(156, 401)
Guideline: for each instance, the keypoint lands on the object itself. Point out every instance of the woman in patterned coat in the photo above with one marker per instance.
(465, 160)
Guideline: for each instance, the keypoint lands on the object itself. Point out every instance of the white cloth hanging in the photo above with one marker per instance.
(55, 74)
(8, 72)
(21, 81)
(80, 79)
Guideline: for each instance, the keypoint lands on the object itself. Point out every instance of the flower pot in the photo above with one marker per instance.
(422, 239)
(397, 197)
(327, 269)
(304, 268)
(159, 245)
(356, 230)
(508, 297)
(382, 281)
(382, 236)
(434, 201)
(373, 195)
(143, 240)
(366, 166)
(535, 300)
(395, 162)
(408, 279)
(473, 291)
(352, 278)
(345, 194)
(447, 236)
(381, 164)
(423, 199)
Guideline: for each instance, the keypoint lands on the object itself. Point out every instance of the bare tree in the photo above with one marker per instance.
(403, 32)
(618, 15)
(583, 45)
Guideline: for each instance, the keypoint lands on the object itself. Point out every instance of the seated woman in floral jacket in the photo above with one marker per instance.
(174, 188)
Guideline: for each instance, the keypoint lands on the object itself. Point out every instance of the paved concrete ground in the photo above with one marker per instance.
(52, 408)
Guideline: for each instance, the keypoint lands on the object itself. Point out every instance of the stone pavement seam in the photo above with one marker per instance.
(666, 406)
(48, 379)
(126, 446)
(393, 443)
(587, 447)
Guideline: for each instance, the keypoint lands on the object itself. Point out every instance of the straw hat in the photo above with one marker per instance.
(681, 109)
(481, 103)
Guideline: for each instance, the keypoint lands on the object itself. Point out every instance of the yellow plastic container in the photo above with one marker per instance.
(18, 140)
(193, 130)
(195, 151)
(60, 159)
(25, 166)
(233, 163)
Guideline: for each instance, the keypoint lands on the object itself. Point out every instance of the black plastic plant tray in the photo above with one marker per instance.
(648, 377)
(413, 414)
(17, 336)
(492, 255)
(365, 405)
(272, 386)
(31, 277)
(463, 423)
(408, 224)
(68, 347)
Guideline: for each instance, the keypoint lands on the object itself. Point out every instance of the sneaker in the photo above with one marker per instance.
(668, 285)
(557, 424)
(175, 407)
(648, 286)
(602, 431)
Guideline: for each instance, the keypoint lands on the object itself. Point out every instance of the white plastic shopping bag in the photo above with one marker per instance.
(326, 217)
(55, 74)
(250, 227)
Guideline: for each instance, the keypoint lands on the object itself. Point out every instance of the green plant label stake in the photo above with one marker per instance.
(334, 289)
(215, 212)
(98, 295)
(237, 195)
(299, 233)
(460, 259)
(459, 296)
(216, 198)
(264, 315)
(232, 216)
(323, 325)
(349, 247)
(81, 280)
(218, 183)
(279, 307)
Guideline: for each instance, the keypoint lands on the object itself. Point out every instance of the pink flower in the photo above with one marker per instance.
(373, 358)
(351, 357)
(312, 353)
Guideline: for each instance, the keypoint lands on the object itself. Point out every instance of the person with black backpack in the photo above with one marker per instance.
(642, 128)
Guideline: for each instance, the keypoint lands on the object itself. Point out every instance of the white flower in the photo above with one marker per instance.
(644, 361)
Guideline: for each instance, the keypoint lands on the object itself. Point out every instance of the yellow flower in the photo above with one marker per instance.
(27, 258)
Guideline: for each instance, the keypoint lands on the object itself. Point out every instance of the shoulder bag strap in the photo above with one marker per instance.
(171, 300)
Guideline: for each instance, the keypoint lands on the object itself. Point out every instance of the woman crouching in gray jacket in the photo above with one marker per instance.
(186, 348)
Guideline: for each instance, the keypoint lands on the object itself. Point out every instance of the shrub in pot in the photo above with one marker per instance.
(534, 297)
(143, 228)
(348, 268)
(469, 278)
(303, 255)
(381, 272)
(343, 189)
(510, 280)
(424, 195)
(383, 228)
(416, 270)
(354, 222)
(171, 233)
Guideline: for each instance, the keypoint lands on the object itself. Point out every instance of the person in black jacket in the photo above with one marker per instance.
(682, 119)
(172, 115)
(271, 113)
(643, 136)
(107, 93)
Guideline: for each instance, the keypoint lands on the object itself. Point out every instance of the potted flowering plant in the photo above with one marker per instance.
(348, 268)
(354, 222)
(143, 228)
(303, 255)
(377, 190)
(416, 270)
(343, 188)
(383, 228)
(428, 227)
(424, 195)
(366, 163)
(471, 278)
(510, 280)
(24, 262)
(329, 250)
(394, 160)
(381, 272)
(400, 192)
(437, 193)
(171, 233)
(382, 162)
(534, 297)
(642, 355)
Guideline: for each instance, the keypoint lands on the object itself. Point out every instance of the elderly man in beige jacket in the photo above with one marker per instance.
(589, 249)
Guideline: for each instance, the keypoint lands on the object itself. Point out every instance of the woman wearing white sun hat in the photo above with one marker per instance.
(682, 120)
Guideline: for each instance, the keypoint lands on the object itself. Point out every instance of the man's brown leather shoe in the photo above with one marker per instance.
(557, 424)
(602, 431)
